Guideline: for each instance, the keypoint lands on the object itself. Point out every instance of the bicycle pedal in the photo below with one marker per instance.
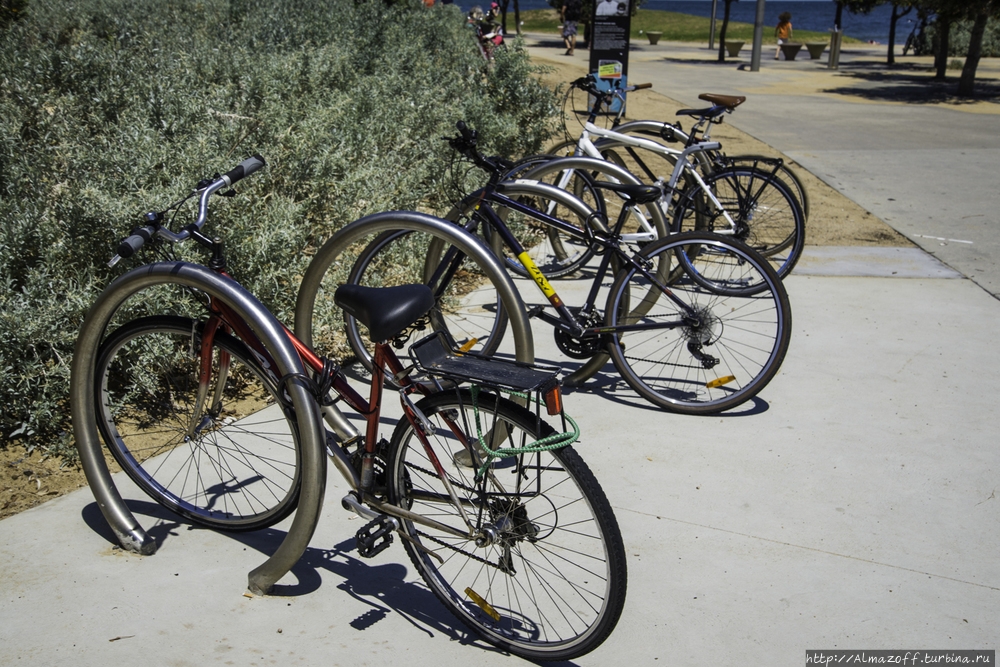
(374, 537)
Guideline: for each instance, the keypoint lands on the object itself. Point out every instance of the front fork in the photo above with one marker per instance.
(201, 416)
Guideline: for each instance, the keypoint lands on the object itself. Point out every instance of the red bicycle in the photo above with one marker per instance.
(500, 516)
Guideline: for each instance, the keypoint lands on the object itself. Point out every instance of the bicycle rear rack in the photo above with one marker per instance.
(437, 355)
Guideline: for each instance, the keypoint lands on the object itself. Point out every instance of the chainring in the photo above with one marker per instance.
(577, 347)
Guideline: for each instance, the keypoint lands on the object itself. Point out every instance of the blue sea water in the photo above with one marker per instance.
(816, 15)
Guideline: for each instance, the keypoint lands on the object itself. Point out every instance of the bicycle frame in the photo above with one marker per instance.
(610, 246)
(682, 165)
(386, 361)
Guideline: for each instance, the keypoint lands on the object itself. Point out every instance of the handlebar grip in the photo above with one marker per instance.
(131, 245)
(641, 86)
(245, 168)
(467, 133)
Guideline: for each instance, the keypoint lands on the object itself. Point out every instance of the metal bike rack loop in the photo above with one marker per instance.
(130, 534)
(590, 164)
(524, 349)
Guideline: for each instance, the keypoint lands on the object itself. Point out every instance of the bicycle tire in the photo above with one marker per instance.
(238, 468)
(722, 351)
(785, 173)
(555, 575)
(469, 308)
(767, 214)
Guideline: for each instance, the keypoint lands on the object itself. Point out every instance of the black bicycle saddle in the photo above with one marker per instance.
(386, 311)
(637, 193)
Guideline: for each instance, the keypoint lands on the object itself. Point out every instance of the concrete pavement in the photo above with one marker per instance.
(851, 505)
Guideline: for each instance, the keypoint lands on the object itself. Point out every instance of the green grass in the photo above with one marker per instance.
(675, 27)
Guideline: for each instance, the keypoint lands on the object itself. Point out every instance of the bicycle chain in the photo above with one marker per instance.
(474, 557)
(431, 473)
(663, 363)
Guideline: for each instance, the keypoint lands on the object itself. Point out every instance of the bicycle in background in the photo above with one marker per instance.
(703, 190)
(696, 323)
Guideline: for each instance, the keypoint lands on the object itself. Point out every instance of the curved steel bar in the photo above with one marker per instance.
(526, 186)
(608, 168)
(312, 462)
(524, 348)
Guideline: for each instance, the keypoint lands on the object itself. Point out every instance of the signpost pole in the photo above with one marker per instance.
(758, 37)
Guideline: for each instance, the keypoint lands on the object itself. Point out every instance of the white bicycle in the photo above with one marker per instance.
(744, 197)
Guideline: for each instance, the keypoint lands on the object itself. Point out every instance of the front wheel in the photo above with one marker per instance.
(711, 340)
(766, 213)
(549, 582)
(224, 455)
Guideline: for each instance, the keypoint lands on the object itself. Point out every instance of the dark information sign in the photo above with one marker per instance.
(609, 41)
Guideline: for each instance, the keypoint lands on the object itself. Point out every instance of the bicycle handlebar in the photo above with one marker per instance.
(588, 84)
(244, 169)
(131, 244)
(465, 144)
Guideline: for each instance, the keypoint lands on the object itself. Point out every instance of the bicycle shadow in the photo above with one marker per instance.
(609, 385)
(383, 587)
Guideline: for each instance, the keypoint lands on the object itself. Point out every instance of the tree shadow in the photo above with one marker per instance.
(909, 83)
(736, 61)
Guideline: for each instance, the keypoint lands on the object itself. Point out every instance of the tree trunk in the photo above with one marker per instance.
(722, 33)
(517, 16)
(941, 57)
(891, 57)
(839, 16)
(966, 84)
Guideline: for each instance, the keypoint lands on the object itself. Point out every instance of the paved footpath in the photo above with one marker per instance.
(853, 504)
(878, 136)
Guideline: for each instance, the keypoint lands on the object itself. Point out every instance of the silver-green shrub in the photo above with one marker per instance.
(111, 108)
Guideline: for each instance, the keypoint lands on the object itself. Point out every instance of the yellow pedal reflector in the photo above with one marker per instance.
(483, 604)
(468, 345)
(718, 382)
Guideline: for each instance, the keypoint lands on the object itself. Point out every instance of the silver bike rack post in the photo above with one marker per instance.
(312, 463)
(524, 348)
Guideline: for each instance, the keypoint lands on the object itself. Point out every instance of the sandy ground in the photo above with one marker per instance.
(27, 479)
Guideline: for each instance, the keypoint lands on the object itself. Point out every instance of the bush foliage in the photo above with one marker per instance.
(111, 108)
(959, 37)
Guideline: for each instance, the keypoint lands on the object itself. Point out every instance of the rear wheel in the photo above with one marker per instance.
(547, 578)
(226, 457)
(767, 215)
(785, 173)
(713, 339)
